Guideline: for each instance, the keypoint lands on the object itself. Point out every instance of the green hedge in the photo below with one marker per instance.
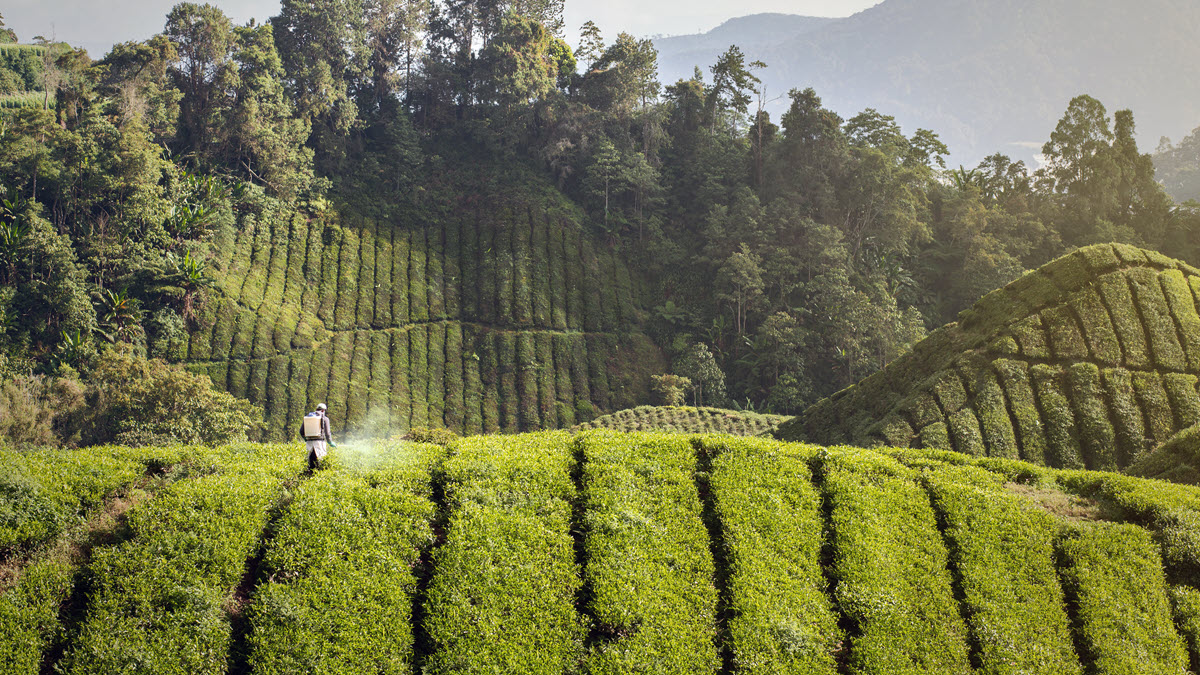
(1061, 431)
(1183, 309)
(418, 291)
(1128, 421)
(435, 271)
(1157, 319)
(780, 618)
(489, 372)
(506, 255)
(1097, 327)
(436, 397)
(401, 388)
(401, 247)
(340, 568)
(345, 314)
(1003, 553)
(418, 368)
(384, 266)
(890, 568)
(452, 268)
(43, 491)
(559, 291)
(502, 599)
(1115, 290)
(524, 283)
(455, 413)
(378, 419)
(158, 600)
(1112, 574)
(648, 563)
(507, 361)
(1152, 398)
(1096, 433)
(365, 309)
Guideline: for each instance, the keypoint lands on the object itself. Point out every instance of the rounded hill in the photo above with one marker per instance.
(1087, 362)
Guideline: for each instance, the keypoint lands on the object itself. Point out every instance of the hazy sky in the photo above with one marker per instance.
(97, 24)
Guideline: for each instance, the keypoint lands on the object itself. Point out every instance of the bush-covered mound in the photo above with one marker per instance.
(1177, 460)
(1089, 361)
(604, 553)
(497, 312)
(685, 419)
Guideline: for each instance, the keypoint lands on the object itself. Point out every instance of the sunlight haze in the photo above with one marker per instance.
(98, 24)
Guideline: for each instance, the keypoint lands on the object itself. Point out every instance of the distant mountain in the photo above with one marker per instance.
(987, 75)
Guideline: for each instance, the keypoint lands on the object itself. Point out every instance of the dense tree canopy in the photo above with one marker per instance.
(782, 260)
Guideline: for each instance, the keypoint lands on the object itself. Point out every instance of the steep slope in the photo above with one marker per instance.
(615, 553)
(496, 312)
(990, 75)
(1089, 361)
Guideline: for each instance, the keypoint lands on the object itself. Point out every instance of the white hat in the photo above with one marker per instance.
(320, 406)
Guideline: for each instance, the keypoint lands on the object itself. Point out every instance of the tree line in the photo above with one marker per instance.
(784, 258)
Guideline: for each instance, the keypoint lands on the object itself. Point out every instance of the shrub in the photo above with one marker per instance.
(503, 594)
(670, 389)
(136, 401)
(1003, 552)
(344, 576)
(431, 435)
(1113, 574)
(648, 562)
(770, 514)
(158, 602)
(890, 570)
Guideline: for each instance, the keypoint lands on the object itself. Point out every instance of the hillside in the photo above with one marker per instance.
(988, 76)
(499, 313)
(685, 419)
(598, 553)
(1087, 362)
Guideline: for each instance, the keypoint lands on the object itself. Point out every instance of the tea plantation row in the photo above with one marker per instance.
(1088, 362)
(610, 553)
(385, 322)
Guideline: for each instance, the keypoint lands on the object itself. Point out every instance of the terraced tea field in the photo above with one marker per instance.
(1088, 362)
(598, 552)
(687, 420)
(506, 318)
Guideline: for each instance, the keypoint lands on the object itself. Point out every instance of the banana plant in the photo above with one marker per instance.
(120, 316)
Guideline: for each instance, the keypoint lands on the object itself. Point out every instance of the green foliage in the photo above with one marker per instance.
(350, 538)
(159, 598)
(771, 519)
(688, 420)
(642, 504)
(1003, 552)
(891, 576)
(1113, 575)
(503, 594)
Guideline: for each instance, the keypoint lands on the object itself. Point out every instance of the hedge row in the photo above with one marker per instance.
(687, 420)
(1065, 416)
(1089, 362)
(1113, 576)
(890, 568)
(283, 273)
(1003, 553)
(158, 600)
(43, 491)
(647, 561)
(340, 568)
(502, 598)
(441, 374)
(772, 525)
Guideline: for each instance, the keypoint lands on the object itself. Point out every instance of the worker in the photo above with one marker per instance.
(315, 431)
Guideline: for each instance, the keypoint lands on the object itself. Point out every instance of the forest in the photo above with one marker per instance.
(474, 181)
